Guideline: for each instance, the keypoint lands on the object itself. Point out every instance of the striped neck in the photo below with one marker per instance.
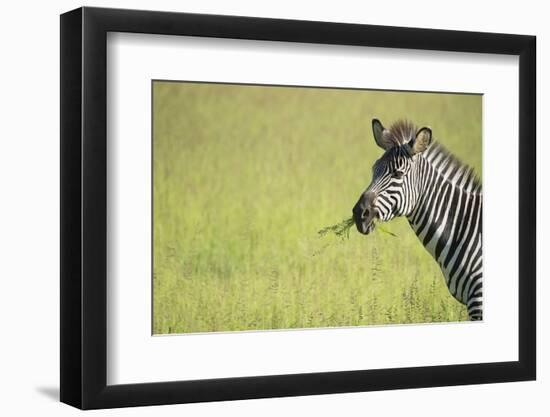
(445, 189)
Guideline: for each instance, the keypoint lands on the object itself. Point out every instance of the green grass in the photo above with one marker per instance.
(246, 176)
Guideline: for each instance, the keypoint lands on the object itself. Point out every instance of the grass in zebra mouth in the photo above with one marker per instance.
(342, 229)
(342, 232)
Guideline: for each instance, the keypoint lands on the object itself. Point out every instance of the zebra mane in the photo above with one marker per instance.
(449, 166)
(452, 168)
(400, 132)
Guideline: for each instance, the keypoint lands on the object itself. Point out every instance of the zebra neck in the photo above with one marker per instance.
(447, 197)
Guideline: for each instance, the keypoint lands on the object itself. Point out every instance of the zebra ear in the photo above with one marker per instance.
(381, 135)
(422, 140)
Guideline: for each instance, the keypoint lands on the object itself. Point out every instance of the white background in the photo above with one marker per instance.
(133, 60)
(29, 236)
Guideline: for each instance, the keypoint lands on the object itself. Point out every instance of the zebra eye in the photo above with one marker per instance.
(397, 174)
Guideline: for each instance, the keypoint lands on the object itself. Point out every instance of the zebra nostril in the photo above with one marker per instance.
(365, 214)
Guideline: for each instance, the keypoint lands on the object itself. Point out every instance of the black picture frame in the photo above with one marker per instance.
(84, 207)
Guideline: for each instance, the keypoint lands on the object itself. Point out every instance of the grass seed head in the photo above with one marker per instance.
(343, 228)
(340, 230)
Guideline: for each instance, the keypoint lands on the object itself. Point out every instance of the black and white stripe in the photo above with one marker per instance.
(442, 199)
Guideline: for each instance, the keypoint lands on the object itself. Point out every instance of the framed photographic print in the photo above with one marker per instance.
(257, 207)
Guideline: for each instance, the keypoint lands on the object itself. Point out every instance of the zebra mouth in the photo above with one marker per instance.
(364, 227)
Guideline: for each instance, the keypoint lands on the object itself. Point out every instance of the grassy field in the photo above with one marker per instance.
(245, 177)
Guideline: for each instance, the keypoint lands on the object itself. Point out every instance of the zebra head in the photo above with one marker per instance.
(393, 190)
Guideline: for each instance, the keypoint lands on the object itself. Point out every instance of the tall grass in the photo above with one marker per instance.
(245, 176)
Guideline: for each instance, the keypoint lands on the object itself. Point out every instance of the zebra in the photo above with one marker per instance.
(441, 198)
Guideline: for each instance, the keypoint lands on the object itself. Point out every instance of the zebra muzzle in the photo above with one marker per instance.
(364, 213)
